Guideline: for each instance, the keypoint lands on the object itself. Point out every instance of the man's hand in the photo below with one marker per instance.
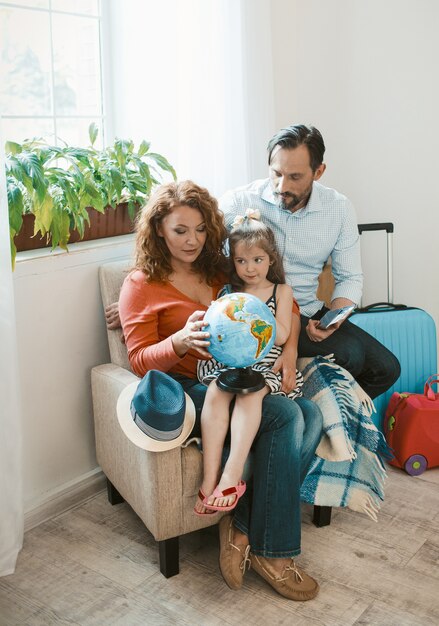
(317, 334)
(283, 364)
(112, 316)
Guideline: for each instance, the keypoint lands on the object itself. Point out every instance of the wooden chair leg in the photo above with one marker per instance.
(114, 496)
(322, 515)
(169, 557)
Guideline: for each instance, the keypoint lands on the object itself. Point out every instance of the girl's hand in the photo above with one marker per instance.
(287, 366)
(192, 336)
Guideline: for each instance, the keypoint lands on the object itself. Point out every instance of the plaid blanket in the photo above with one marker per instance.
(348, 468)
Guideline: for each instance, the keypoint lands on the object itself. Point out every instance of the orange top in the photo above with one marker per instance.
(150, 313)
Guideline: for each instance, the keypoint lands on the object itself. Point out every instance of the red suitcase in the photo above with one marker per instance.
(411, 426)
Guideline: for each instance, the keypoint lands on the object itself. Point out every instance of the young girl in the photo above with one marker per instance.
(256, 269)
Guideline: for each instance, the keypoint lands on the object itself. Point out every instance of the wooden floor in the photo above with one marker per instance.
(97, 565)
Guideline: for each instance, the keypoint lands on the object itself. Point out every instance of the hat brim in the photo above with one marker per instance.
(137, 436)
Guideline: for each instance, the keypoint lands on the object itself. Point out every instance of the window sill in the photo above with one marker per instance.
(92, 254)
(74, 248)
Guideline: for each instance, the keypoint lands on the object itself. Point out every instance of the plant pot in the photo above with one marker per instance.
(109, 224)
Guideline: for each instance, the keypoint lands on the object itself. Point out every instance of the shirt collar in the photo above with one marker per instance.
(267, 193)
(314, 202)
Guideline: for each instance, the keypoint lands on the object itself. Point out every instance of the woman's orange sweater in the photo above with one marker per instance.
(150, 313)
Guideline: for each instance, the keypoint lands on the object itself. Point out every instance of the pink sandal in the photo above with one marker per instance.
(207, 512)
(237, 491)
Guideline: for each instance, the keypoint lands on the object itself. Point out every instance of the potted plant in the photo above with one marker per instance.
(55, 192)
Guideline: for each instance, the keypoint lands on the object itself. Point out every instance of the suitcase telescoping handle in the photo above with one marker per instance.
(388, 227)
(428, 391)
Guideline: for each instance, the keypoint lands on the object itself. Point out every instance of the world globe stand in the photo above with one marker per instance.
(241, 380)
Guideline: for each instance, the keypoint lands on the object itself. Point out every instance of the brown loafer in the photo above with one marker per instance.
(292, 583)
(233, 560)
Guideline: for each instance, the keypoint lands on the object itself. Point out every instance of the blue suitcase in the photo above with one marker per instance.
(408, 332)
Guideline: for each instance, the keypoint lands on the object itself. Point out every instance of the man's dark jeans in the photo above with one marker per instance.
(372, 365)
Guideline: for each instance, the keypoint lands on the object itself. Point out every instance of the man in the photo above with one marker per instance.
(312, 223)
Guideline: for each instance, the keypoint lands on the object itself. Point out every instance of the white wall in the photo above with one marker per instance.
(365, 74)
(61, 336)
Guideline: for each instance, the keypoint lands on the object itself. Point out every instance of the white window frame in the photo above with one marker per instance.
(104, 78)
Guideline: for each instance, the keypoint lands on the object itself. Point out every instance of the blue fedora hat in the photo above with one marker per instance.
(155, 413)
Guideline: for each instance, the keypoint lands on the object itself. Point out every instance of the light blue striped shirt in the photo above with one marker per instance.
(325, 227)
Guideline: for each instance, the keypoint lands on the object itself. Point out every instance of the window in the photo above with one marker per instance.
(50, 70)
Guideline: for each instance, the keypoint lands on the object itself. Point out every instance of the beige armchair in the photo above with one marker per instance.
(160, 487)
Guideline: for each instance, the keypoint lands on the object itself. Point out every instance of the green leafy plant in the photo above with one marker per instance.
(57, 184)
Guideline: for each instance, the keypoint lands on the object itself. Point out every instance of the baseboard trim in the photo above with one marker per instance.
(63, 498)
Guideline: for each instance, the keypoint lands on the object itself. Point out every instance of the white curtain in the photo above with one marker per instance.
(11, 501)
(201, 88)
(211, 128)
(225, 91)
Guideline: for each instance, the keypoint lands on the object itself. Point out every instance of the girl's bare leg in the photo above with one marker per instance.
(245, 421)
(214, 427)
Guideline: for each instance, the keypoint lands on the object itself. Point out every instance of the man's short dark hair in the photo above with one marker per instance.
(298, 135)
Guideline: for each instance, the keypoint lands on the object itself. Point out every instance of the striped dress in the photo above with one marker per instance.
(210, 370)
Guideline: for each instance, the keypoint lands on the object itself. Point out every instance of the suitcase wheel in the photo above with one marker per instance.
(415, 465)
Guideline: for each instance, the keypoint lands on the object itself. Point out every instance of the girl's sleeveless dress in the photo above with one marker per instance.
(210, 370)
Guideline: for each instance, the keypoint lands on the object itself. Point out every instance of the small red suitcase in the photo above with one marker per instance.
(411, 426)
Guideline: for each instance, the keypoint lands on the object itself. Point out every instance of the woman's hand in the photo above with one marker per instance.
(192, 336)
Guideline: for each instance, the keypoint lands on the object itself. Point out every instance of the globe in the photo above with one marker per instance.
(242, 329)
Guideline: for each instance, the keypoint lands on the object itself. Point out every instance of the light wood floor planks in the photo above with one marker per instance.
(98, 565)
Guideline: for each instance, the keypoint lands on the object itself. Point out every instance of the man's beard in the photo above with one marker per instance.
(291, 201)
(288, 201)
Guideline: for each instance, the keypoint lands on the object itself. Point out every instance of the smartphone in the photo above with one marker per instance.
(334, 316)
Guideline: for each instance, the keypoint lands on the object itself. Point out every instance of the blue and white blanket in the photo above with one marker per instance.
(348, 468)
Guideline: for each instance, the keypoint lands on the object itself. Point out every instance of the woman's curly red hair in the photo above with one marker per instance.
(151, 253)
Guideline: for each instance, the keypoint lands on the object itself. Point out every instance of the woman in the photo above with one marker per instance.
(178, 272)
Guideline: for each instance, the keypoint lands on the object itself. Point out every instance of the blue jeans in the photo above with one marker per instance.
(372, 365)
(269, 511)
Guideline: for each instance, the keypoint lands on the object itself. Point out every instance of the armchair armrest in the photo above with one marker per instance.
(151, 482)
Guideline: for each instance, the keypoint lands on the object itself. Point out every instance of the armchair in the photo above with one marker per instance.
(160, 487)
